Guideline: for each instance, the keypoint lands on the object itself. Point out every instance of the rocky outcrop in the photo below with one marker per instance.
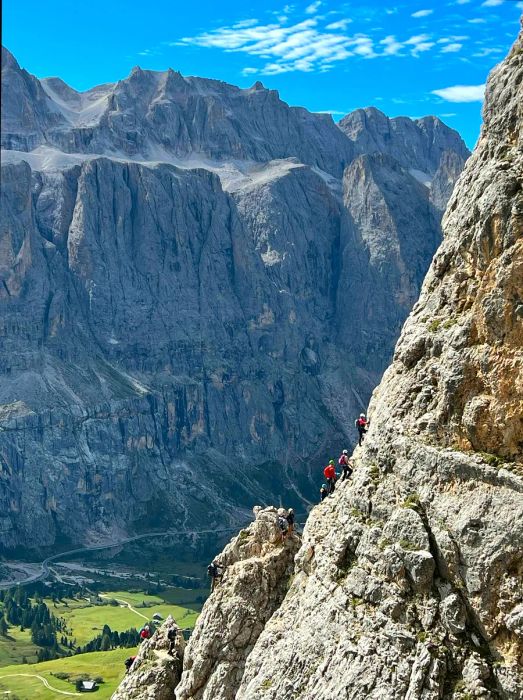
(257, 570)
(157, 668)
(189, 285)
(408, 583)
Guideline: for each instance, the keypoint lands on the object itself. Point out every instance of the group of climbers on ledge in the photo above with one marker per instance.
(346, 465)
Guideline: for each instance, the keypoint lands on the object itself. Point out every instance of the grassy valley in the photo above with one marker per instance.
(86, 619)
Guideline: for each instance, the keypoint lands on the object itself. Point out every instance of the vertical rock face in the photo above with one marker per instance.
(409, 580)
(195, 294)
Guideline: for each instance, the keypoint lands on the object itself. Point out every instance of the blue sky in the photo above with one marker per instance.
(409, 58)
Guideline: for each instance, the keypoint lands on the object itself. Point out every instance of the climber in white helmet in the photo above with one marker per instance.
(362, 425)
(346, 465)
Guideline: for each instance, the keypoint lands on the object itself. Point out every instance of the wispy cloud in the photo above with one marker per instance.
(477, 20)
(487, 51)
(297, 47)
(340, 24)
(422, 13)
(451, 48)
(419, 44)
(492, 3)
(313, 7)
(461, 93)
(391, 47)
(313, 43)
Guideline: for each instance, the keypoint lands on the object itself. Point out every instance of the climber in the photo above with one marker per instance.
(215, 571)
(362, 424)
(330, 474)
(324, 492)
(171, 637)
(346, 465)
(145, 633)
(129, 662)
(291, 518)
(283, 523)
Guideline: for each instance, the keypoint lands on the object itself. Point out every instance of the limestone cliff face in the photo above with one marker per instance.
(194, 280)
(409, 580)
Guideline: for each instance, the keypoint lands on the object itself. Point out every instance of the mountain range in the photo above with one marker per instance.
(200, 287)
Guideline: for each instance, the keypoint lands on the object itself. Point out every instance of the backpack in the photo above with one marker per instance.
(283, 523)
(211, 570)
(341, 461)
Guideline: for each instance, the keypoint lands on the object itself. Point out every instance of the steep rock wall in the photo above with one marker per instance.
(414, 572)
(408, 583)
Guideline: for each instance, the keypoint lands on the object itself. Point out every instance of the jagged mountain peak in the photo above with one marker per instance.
(8, 60)
(418, 144)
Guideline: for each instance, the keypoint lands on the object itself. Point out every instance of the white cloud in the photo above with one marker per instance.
(340, 24)
(391, 46)
(450, 39)
(299, 47)
(363, 46)
(313, 7)
(461, 93)
(462, 2)
(422, 13)
(246, 23)
(417, 38)
(419, 48)
(451, 48)
(448, 114)
(419, 44)
(306, 45)
(487, 52)
(477, 20)
(492, 3)
(334, 112)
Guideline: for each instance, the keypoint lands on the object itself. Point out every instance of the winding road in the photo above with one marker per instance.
(44, 566)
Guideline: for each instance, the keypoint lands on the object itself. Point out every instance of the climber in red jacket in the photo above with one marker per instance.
(145, 633)
(362, 424)
(330, 474)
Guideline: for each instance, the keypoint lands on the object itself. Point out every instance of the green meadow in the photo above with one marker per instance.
(85, 618)
(105, 664)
